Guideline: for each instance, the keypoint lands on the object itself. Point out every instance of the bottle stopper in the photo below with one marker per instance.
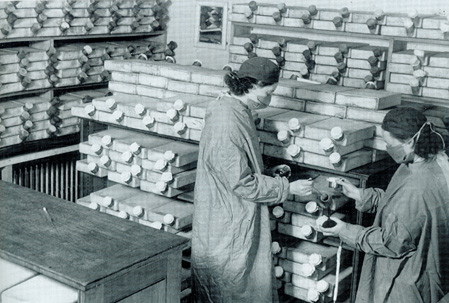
(338, 21)
(315, 259)
(28, 124)
(413, 13)
(283, 135)
(197, 63)
(139, 109)
(293, 124)
(172, 114)
(278, 271)
(126, 177)
(253, 5)
(275, 247)
(306, 231)
(293, 150)
(118, 115)
(160, 164)
(105, 160)
(339, 57)
(313, 295)
(326, 144)
(337, 133)
(180, 127)
(167, 177)
(93, 205)
(169, 219)
(93, 167)
(344, 12)
(148, 121)
(127, 157)
(90, 109)
(306, 18)
(96, 148)
(277, 51)
(312, 10)
(379, 14)
(311, 207)
(179, 105)
(123, 214)
(107, 201)
(138, 211)
(169, 156)
(277, 16)
(373, 60)
(248, 46)
(136, 170)
(335, 159)
(111, 103)
(371, 23)
(161, 186)
(87, 50)
(278, 212)
(106, 140)
(308, 269)
(135, 148)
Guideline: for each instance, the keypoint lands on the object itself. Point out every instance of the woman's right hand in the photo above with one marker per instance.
(349, 189)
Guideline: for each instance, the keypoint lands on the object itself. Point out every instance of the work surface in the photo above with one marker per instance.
(77, 246)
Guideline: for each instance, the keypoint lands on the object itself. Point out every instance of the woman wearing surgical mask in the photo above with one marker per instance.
(231, 238)
(407, 248)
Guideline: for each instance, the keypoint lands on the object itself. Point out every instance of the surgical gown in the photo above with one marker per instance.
(231, 238)
(407, 248)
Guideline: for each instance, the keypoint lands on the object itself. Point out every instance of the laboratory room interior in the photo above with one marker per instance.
(224, 151)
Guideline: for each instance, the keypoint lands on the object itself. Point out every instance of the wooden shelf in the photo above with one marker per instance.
(83, 37)
(342, 33)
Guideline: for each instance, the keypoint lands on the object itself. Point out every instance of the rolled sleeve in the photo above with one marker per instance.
(350, 233)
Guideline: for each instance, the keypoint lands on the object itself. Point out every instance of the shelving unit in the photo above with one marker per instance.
(292, 26)
(80, 12)
(250, 26)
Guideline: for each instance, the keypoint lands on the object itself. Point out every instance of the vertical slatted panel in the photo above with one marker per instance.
(57, 180)
(42, 178)
(52, 179)
(47, 178)
(68, 181)
(56, 176)
(76, 174)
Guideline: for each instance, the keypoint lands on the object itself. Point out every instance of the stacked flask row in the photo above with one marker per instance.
(39, 117)
(36, 18)
(411, 24)
(349, 64)
(323, 125)
(31, 68)
(412, 71)
(305, 266)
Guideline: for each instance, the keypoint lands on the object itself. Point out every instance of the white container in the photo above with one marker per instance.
(293, 150)
(139, 109)
(294, 125)
(111, 103)
(327, 145)
(337, 133)
(148, 121)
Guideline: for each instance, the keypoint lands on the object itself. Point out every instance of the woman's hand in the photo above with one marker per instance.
(349, 190)
(332, 231)
(282, 170)
(301, 187)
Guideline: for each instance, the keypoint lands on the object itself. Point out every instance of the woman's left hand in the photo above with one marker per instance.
(332, 231)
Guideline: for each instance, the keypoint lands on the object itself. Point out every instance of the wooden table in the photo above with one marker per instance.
(106, 258)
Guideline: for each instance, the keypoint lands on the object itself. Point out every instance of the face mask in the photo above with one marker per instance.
(262, 102)
(399, 155)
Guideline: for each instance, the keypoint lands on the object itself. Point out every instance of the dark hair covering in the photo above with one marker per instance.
(256, 70)
(404, 122)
